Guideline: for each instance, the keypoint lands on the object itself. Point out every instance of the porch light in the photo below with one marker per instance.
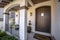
(42, 14)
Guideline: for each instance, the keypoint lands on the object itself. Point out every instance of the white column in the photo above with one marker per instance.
(23, 24)
(5, 21)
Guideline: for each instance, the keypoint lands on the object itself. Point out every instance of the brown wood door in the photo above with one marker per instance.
(43, 23)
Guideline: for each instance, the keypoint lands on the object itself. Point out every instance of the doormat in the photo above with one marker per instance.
(41, 37)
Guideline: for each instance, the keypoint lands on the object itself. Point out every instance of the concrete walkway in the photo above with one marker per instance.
(30, 36)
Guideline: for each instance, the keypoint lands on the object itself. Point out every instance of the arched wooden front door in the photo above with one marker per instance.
(43, 19)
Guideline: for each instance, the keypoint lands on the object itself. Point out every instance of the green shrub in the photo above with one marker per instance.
(0, 31)
(4, 36)
(8, 38)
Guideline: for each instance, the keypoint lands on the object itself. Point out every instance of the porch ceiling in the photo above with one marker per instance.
(4, 2)
(29, 5)
(33, 2)
(38, 1)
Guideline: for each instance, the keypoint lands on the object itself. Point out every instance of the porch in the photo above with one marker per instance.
(38, 17)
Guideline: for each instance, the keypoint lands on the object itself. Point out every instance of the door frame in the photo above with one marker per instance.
(43, 33)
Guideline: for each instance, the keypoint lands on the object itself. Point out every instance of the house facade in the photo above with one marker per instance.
(43, 15)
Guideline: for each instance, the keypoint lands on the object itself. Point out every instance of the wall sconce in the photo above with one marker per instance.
(42, 14)
(31, 14)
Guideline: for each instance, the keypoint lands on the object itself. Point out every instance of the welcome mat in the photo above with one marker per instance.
(41, 37)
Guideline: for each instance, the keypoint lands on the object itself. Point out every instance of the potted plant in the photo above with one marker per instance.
(12, 26)
(29, 27)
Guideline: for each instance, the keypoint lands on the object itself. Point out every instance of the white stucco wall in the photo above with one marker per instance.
(32, 18)
(56, 29)
(15, 3)
(55, 17)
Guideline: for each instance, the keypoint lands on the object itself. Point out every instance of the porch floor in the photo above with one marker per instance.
(16, 34)
(30, 36)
